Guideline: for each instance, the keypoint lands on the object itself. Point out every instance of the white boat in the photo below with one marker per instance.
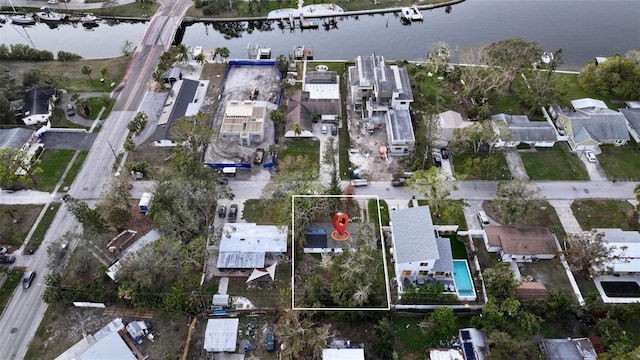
(197, 50)
(88, 18)
(547, 57)
(411, 13)
(48, 15)
(298, 52)
(22, 19)
(258, 53)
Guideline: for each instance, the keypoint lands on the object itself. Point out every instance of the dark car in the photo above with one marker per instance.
(334, 130)
(222, 211)
(257, 160)
(70, 110)
(398, 182)
(7, 259)
(437, 159)
(223, 181)
(28, 279)
(233, 213)
(445, 153)
(271, 343)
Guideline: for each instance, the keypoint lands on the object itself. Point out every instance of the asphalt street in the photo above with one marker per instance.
(25, 310)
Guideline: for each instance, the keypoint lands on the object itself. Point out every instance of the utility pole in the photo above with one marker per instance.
(113, 150)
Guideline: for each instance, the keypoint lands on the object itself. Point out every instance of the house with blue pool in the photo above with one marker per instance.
(421, 256)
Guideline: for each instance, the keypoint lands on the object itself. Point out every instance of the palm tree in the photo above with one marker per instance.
(200, 59)
(223, 52)
(361, 296)
(297, 130)
(181, 53)
(105, 72)
(86, 70)
(127, 48)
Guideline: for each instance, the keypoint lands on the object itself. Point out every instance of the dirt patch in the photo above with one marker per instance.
(15, 222)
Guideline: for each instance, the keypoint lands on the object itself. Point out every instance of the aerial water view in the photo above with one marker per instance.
(291, 179)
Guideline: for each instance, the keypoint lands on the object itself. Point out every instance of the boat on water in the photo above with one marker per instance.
(48, 15)
(22, 19)
(88, 19)
(258, 52)
(300, 52)
(412, 13)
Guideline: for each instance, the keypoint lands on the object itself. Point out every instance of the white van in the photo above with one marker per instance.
(323, 129)
(229, 171)
(359, 182)
(484, 219)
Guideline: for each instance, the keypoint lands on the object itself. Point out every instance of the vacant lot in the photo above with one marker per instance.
(605, 214)
(15, 223)
(621, 162)
(556, 163)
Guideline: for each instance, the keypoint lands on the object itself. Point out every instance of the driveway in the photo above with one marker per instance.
(595, 171)
(516, 166)
(68, 139)
(565, 214)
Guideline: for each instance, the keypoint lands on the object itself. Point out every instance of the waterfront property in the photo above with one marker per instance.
(38, 105)
(382, 94)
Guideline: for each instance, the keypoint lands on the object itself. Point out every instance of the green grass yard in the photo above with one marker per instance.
(53, 163)
(299, 147)
(604, 214)
(621, 162)
(556, 163)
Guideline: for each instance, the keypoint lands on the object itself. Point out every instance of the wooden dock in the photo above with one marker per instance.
(128, 313)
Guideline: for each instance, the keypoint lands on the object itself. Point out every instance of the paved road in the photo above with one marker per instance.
(25, 310)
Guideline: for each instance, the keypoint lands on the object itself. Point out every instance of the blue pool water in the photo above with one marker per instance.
(462, 277)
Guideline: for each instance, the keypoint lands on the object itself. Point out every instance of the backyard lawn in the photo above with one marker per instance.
(500, 173)
(556, 163)
(604, 214)
(621, 162)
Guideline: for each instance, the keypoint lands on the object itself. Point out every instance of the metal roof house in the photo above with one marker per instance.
(626, 252)
(183, 99)
(16, 138)
(38, 105)
(343, 354)
(516, 129)
(418, 252)
(221, 335)
(250, 246)
(105, 344)
(568, 349)
(591, 125)
(383, 94)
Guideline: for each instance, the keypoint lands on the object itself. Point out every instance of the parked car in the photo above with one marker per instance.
(3, 250)
(591, 157)
(437, 159)
(222, 211)
(223, 181)
(445, 153)
(323, 129)
(259, 156)
(398, 182)
(27, 279)
(484, 219)
(70, 110)
(271, 343)
(334, 130)
(233, 213)
(7, 259)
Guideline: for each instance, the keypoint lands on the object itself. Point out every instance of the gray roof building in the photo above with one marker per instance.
(15, 138)
(414, 237)
(221, 335)
(187, 90)
(300, 110)
(244, 246)
(598, 124)
(568, 349)
(633, 118)
(37, 105)
(521, 129)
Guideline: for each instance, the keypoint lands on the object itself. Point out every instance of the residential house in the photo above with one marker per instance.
(244, 121)
(590, 125)
(38, 105)
(172, 76)
(632, 115)
(322, 85)
(419, 254)
(449, 121)
(110, 342)
(319, 241)
(625, 257)
(568, 349)
(516, 129)
(343, 354)
(520, 244)
(301, 110)
(221, 335)
(251, 246)
(183, 100)
(383, 94)
(473, 343)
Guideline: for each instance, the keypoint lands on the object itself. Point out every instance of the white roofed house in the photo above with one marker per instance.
(38, 105)
(420, 255)
(246, 246)
(383, 94)
(516, 129)
(591, 124)
(221, 335)
(625, 257)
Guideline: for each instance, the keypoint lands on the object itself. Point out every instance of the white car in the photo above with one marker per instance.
(52, 2)
(591, 157)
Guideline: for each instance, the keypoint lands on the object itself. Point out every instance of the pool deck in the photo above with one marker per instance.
(616, 300)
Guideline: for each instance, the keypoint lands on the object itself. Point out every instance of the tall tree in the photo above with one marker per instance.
(516, 201)
(86, 70)
(434, 185)
(475, 138)
(106, 72)
(193, 132)
(500, 281)
(587, 251)
(90, 219)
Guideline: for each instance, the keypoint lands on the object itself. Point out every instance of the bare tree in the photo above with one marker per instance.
(480, 75)
(588, 251)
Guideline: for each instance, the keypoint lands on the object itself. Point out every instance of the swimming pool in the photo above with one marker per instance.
(462, 278)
